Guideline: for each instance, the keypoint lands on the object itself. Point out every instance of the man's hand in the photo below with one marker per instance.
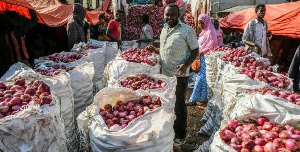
(257, 48)
(119, 42)
(152, 48)
(181, 69)
(269, 34)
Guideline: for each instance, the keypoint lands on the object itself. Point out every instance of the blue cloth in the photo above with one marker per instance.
(200, 88)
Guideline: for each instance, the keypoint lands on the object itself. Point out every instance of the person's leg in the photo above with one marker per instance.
(200, 88)
(180, 108)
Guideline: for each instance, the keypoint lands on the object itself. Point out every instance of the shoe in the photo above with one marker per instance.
(178, 142)
(191, 104)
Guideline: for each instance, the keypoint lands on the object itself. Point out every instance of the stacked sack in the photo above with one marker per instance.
(138, 128)
(154, 83)
(81, 71)
(232, 79)
(60, 82)
(96, 53)
(131, 61)
(30, 116)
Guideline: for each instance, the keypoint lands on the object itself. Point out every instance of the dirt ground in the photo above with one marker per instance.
(193, 140)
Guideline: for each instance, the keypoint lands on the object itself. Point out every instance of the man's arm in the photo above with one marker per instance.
(194, 46)
(294, 67)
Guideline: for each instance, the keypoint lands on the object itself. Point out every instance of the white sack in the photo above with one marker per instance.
(82, 86)
(36, 128)
(168, 91)
(152, 131)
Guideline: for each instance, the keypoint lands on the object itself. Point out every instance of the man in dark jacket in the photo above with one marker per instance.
(75, 25)
(294, 70)
(15, 28)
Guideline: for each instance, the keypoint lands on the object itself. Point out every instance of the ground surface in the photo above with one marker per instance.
(193, 140)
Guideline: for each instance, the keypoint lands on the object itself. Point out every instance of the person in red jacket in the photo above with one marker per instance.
(114, 28)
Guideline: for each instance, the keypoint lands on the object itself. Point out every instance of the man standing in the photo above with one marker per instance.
(75, 25)
(113, 29)
(294, 70)
(256, 33)
(178, 49)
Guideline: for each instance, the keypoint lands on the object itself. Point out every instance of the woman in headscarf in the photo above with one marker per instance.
(75, 25)
(207, 42)
(219, 32)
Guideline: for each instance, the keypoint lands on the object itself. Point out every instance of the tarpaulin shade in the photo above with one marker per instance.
(92, 16)
(50, 12)
(283, 19)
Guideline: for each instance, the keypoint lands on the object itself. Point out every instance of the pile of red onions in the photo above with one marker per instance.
(47, 72)
(13, 98)
(142, 82)
(138, 56)
(260, 136)
(222, 48)
(133, 24)
(188, 17)
(65, 57)
(291, 97)
(267, 77)
(87, 47)
(118, 116)
(63, 67)
(234, 54)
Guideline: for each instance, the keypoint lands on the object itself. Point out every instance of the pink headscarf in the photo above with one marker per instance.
(208, 36)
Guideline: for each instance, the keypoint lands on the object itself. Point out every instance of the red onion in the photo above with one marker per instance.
(236, 140)
(270, 147)
(233, 124)
(258, 148)
(236, 147)
(245, 137)
(261, 121)
(248, 144)
(291, 144)
(284, 135)
(260, 141)
(278, 143)
(245, 150)
(296, 137)
(268, 126)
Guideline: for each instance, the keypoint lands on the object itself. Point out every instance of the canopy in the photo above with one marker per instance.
(283, 19)
(50, 12)
(92, 16)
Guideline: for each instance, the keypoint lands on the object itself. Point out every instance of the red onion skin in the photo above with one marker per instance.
(278, 143)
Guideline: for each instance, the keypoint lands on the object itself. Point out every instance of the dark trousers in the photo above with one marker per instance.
(180, 108)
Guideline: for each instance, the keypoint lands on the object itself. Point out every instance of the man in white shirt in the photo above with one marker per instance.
(256, 34)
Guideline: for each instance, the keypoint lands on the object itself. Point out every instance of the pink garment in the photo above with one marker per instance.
(179, 3)
(220, 37)
(208, 36)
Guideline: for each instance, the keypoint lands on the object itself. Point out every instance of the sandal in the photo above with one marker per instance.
(191, 104)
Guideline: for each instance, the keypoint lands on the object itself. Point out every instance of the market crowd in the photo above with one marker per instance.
(180, 47)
